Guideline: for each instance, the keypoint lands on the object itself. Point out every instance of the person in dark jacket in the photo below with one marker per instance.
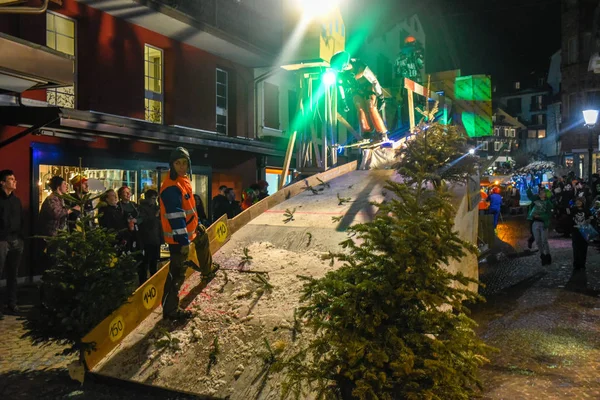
(220, 204)
(132, 221)
(201, 211)
(150, 233)
(110, 214)
(11, 236)
(263, 189)
(54, 211)
(234, 206)
(111, 217)
(579, 215)
(81, 189)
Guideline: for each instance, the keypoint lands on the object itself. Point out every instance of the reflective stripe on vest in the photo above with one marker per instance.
(180, 214)
(187, 213)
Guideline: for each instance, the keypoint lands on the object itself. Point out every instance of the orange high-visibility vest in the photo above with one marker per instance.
(483, 204)
(179, 221)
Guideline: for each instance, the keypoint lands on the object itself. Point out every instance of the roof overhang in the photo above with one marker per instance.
(25, 65)
(167, 21)
(88, 124)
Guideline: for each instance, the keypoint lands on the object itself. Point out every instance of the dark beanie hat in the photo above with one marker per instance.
(180, 152)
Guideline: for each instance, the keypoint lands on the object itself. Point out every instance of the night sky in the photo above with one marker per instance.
(507, 39)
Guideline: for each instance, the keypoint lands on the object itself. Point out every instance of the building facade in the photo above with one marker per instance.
(500, 150)
(527, 101)
(580, 87)
(110, 88)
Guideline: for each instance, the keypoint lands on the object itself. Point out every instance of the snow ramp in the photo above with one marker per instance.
(220, 353)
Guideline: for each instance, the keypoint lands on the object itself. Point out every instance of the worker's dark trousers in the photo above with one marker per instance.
(177, 268)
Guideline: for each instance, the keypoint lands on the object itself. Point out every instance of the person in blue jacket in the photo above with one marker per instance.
(495, 200)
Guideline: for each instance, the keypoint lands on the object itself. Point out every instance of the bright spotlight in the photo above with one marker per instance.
(329, 78)
(471, 151)
(318, 7)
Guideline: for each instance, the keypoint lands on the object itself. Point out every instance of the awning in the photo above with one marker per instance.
(89, 124)
(25, 65)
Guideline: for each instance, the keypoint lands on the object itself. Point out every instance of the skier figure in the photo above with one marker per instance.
(362, 84)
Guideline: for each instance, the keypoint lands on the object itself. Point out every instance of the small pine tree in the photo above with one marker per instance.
(391, 323)
(88, 280)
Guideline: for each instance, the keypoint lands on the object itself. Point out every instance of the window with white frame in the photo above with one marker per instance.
(511, 132)
(153, 84)
(60, 36)
(497, 146)
(485, 146)
(271, 106)
(222, 97)
(517, 85)
(479, 145)
(496, 131)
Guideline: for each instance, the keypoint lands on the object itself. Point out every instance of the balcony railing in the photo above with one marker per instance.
(260, 28)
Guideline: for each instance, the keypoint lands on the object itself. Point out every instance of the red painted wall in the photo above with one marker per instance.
(110, 70)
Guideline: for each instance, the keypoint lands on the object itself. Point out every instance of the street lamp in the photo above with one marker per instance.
(590, 117)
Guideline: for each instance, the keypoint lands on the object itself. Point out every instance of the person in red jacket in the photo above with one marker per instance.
(181, 227)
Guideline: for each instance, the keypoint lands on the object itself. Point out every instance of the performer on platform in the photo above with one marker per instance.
(361, 83)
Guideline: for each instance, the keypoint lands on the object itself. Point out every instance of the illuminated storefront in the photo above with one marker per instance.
(104, 171)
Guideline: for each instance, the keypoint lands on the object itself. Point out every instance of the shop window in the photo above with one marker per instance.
(271, 106)
(541, 133)
(99, 180)
(273, 175)
(569, 161)
(153, 84)
(222, 99)
(60, 36)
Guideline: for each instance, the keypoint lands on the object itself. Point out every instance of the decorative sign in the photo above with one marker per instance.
(149, 296)
(116, 328)
(221, 231)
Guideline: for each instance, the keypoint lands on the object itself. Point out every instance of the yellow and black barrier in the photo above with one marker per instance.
(113, 329)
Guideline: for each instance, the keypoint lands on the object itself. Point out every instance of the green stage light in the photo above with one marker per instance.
(329, 78)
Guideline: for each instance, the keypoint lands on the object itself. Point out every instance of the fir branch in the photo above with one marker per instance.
(325, 184)
(289, 215)
(246, 258)
(212, 356)
(343, 200)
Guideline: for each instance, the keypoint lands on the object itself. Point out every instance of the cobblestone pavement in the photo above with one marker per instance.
(545, 321)
(34, 372)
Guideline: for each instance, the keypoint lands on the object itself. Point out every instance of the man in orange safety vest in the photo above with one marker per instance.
(181, 227)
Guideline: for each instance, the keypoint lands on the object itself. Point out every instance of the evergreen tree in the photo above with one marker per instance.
(391, 322)
(88, 278)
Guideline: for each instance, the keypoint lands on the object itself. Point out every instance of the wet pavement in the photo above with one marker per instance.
(545, 321)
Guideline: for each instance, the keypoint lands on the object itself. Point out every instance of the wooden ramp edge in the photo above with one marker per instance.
(113, 329)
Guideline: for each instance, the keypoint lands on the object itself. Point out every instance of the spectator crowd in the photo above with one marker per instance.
(137, 226)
